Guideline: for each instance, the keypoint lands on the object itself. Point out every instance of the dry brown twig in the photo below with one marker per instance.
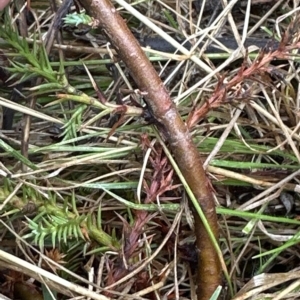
(255, 71)
(177, 134)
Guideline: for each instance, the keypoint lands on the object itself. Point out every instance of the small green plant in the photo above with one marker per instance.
(76, 19)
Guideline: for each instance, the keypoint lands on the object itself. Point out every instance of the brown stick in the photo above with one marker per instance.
(177, 133)
(3, 3)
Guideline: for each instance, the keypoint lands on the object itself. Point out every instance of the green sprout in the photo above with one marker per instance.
(77, 19)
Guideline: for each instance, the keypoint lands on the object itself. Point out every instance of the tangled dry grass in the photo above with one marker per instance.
(95, 208)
